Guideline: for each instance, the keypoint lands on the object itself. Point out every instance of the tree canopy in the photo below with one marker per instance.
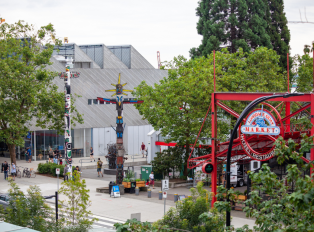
(231, 24)
(27, 93)
(177, 105)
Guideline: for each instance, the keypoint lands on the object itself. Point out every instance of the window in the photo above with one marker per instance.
(95, 102)
(90, 101)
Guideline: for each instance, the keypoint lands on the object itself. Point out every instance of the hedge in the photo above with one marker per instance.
(50, 168)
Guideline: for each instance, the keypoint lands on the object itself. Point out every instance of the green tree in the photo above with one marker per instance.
(278, 29)
(232, 24)
(74, 209)
(168, 160)
(177, 105)
(28, 210)
(27, 93)
(304, 73)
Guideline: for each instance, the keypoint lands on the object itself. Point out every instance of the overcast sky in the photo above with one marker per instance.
(168, 26)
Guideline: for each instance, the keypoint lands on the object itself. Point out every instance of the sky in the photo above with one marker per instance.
(167, 26)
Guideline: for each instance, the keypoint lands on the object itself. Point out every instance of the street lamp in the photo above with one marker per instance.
(234, 131)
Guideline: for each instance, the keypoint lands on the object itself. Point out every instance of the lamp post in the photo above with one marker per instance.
(234, 131)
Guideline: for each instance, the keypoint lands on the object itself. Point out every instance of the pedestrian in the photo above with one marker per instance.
(77, 172)
(29, 153)
(99, 165)
(5, 169)
(51, 154)
(60, 161)
(91, 155)
(55, 160)
(65, 171)
(152, 178)
(57, 152)
(147, 183)
(142, 148)
(13, 171)
(26, 154)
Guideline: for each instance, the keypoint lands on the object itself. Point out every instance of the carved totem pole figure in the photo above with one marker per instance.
(119, 101)
(67, 75)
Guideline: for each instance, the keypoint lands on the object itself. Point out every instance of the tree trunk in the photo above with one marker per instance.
(12, 153)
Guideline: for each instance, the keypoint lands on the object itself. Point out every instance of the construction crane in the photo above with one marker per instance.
(158, 59)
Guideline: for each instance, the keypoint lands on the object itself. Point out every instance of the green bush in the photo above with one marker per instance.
(50, 168)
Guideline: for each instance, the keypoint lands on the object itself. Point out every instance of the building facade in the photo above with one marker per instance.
(99, 67)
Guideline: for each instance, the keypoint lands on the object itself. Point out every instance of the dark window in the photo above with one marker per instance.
(95, 101)
(90, 101)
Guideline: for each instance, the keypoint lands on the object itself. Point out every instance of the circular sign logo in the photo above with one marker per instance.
(207, 168)
(259, 132)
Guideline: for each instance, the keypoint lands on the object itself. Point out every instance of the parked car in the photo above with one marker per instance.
(4, 200)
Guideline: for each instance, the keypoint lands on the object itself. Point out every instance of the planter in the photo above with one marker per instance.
(126, 184)
(140, 184)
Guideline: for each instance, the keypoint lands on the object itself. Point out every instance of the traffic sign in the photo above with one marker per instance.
(207, 168)
(164, 194)
(165, 185)
(57, 171)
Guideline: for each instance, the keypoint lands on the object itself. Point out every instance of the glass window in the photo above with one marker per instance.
(95, 102)
(90, 101)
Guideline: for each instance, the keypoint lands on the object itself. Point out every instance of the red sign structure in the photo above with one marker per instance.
(258, 130)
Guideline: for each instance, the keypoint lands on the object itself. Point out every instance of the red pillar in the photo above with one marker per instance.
(312, 129)
(288, 103)
(214, 161)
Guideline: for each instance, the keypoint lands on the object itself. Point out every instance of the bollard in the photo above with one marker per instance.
(149, 193)
(160, 195)
(137, 191)
(176, 197)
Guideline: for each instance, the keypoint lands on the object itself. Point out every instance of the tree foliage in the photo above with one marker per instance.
(27, 93)
(304, 73)
(28, 210)
(278, 29)
(233, 24)
(178, 104)
(168, 160)
(74, 209)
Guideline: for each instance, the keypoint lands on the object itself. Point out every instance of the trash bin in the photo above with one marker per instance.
(133, 185)
(110, 186)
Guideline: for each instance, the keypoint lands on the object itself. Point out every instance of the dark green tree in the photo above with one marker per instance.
(232, 24)
(278, 29)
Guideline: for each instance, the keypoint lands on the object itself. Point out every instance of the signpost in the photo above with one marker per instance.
(58, 173)
(164, 195)
(115, 192)
(165, 185)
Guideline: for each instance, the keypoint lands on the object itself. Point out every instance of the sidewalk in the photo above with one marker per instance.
(151, 209)
(138, 160)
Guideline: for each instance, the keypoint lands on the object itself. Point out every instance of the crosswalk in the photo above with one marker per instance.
(102, 223)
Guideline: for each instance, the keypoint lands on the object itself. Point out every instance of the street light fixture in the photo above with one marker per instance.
(234, 131)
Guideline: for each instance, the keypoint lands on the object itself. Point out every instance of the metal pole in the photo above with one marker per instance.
(214, 74)
(34, 145)
(58, 181)
(165, 207)
(234, 131)
(56, 207)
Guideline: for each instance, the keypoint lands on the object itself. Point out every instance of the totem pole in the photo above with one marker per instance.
(119, 101)
(67, 75)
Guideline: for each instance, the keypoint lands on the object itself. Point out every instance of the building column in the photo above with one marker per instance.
(35, 145)
(84, 145)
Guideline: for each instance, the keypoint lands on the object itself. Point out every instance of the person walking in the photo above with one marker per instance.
(91, 155)
(142, 148)
(65, 171)
(55, 160)
(5, 169)
(51, 154)
(13, 171)
(26, 154)
(152, 179)
(29, 153)
(99, 165)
